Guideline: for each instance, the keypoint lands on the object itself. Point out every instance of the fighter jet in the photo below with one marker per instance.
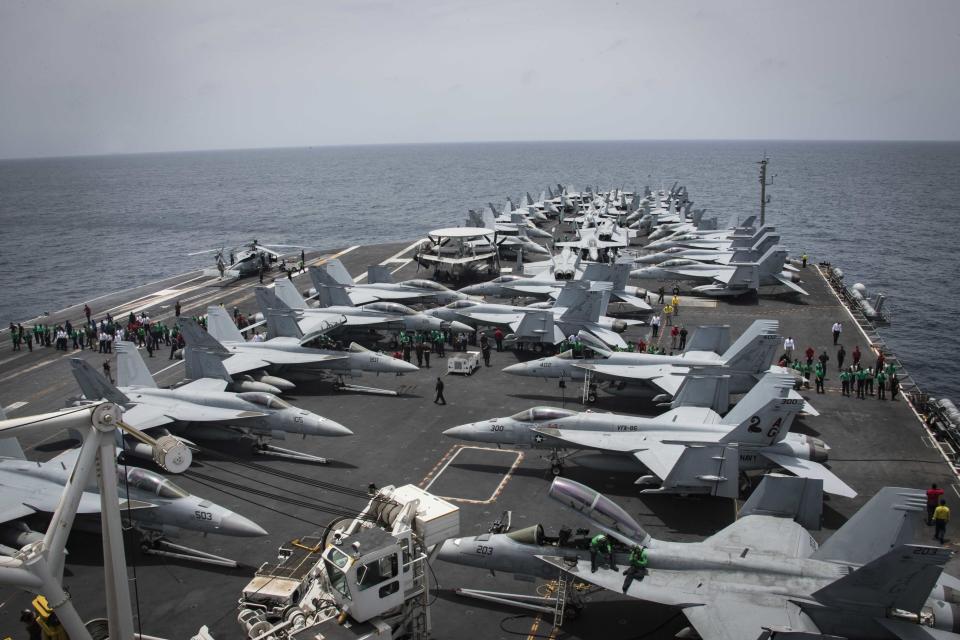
(579, 307)
(380, 285)
(282, 354)
(594, 243)
(546, 286)
(726, 280)
(722, 255)
(336, 308)
(763, 576)
(686, 450)
(157, 507)
(200, 409)
(745, 361)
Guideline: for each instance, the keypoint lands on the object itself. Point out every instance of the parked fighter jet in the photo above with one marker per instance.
(380, 285)
(726, 280)
(686, 450)
(744, 361)
(762, 243)
(282, 354)
(200, 409)
(579, 307)
(594, 243)
(336, 307)
(546, 286)
(762, 576)
(157, 507)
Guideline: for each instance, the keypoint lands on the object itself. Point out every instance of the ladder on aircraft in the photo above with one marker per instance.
(560, 593)
(587, 384)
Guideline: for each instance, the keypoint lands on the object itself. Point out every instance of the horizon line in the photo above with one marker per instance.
(477, 142)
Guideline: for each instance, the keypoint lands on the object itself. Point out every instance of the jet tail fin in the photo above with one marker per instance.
(333, 296)
(379, 274)
(536, 326)
(286, 292)
(902, 578)
(196, 338)
(715, 338)
(93, 385)
(220, 326)
(800, 499)
(200, 363)
(765, 414)
(131, 369)
(266, 299)
(886, 521)
(772, 261)
(754, 349)
(282, 323)
(703, 391)
(335, 269)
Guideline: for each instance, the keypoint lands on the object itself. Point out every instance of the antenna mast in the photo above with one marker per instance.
(763, 189)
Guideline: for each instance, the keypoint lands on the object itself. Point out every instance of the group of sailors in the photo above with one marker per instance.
(854, 379)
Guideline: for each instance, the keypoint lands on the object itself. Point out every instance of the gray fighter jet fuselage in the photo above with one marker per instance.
(760, 572)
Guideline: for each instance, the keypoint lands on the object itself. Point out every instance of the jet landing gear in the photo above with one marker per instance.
(263, 448)
(155, 544)
(557, 460)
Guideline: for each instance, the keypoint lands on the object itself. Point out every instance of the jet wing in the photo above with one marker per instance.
(360, 296)
(145, 416)
(660, 458)
(667, 377)
(635, 301)
(615, 441)
(205, 385)
(534, 290)
(732, 616)
(764, 534)
(497, 319)
(809, 469)
(690, 415)
(674, 588)
(280, 358)
(23, 495)
(790, 284)
(243, 362)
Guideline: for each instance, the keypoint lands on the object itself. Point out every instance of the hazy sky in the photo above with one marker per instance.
(79, 77)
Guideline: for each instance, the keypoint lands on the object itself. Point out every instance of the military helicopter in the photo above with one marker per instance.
(246, 260)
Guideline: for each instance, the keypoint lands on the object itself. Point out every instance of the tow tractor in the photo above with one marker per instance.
(365, 579)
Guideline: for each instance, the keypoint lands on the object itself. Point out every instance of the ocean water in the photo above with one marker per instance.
(886, 213)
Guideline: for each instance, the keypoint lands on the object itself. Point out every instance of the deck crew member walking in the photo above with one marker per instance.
(941, 516)
(837, 330)
(933, 499)
(439, 387)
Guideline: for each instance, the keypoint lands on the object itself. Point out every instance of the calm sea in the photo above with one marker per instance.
(886, 213)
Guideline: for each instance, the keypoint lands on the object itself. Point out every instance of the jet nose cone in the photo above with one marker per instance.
(519, 369)
(460, 327)
(473, 289)
(236, 525)
(402, 366)
(463, 431)
(327, 427)
(449, 550)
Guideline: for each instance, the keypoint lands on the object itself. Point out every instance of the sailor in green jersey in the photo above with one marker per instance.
(600, 544)
(818, 372)
(881, 386)
(845, 382)
(638, 566)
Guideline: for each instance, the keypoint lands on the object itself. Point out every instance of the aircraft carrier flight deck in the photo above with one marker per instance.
(874, 443)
